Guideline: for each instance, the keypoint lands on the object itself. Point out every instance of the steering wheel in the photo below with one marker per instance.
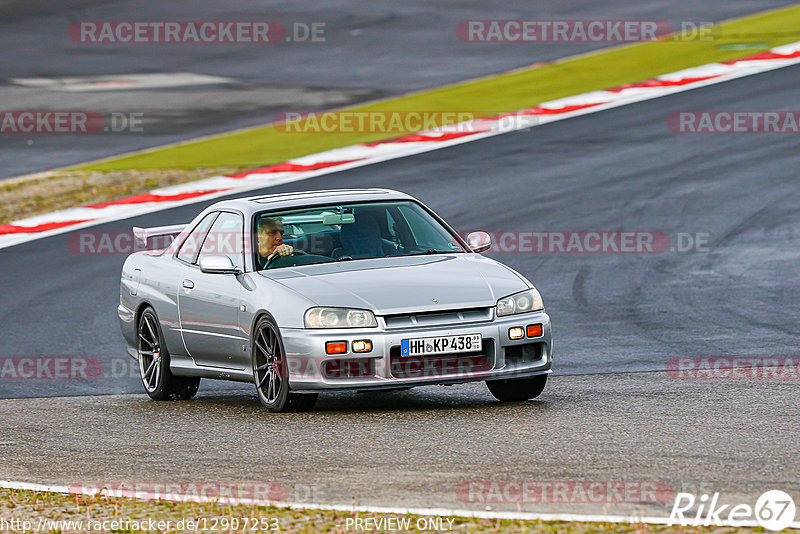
(276, 256)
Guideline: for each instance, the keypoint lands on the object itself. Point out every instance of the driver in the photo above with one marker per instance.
(270, 241)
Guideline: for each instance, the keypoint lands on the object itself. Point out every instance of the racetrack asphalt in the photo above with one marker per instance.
(621, 169)
(371, 50)
(612, 314)
(418, 448)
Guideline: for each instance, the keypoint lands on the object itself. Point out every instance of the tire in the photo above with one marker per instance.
(271, 372)
(517, 389)
(157, 379)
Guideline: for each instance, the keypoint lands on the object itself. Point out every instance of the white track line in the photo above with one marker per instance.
(447, 512)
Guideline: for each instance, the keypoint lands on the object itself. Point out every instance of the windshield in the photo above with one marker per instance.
(348, 232)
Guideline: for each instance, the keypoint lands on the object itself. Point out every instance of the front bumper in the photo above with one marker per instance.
(310, 369)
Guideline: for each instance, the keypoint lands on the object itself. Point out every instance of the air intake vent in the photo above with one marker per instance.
(438, 318)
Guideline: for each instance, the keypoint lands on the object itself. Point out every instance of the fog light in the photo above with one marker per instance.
(516, 333)
(336, 347)
(362, 346)
(534, 330)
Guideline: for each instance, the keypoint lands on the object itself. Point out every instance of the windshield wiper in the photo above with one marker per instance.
(429, 251)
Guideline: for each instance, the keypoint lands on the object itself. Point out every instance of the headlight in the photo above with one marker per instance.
(524, 302)
(339, 318)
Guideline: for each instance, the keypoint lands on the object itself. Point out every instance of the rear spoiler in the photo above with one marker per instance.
(143, 234)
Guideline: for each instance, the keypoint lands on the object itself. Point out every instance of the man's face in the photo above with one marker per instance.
(269, 240)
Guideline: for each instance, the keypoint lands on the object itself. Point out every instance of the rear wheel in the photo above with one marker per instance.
(517, 389)
(158, 380)
(271, 372)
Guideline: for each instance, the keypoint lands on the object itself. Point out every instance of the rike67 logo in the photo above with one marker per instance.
(774, 510)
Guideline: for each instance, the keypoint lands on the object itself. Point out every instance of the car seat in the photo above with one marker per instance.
(360, 239)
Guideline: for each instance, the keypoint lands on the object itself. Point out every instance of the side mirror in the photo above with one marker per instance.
(218, 265)
(479, 241)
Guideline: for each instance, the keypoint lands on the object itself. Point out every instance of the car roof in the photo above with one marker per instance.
(310, 198)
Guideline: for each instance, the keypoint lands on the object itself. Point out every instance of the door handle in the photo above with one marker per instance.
(188, 284)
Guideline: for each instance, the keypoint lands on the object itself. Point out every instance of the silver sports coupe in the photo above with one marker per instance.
(329, 290)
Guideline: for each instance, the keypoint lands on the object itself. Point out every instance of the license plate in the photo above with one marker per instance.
(425, 346)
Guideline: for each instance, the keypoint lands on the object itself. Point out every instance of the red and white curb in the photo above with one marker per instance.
(340, 159)
(389, 510)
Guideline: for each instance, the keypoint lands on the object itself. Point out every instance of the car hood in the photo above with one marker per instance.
(404, 284)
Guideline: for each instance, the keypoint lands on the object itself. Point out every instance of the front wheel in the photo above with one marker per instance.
(517, 389)
(158, 380)
(271, 372)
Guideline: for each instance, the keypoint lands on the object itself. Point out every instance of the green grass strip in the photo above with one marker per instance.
(495, 94)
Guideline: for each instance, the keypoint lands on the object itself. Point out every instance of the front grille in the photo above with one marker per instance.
(437, 318)
(450, 365)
